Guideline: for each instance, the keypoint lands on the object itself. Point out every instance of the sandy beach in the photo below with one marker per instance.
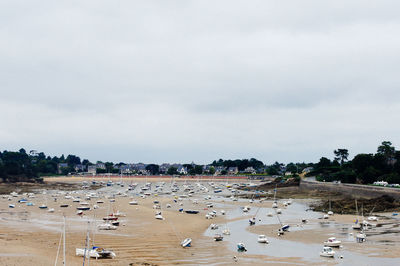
(30, 236)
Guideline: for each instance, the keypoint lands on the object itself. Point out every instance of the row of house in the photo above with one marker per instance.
(140, 168)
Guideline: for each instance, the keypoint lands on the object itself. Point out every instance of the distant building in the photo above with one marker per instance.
(80, 168)
(250, 170)
(60, 166)
(91, 169)
(233, 170)
(182, 170)
(219, 169)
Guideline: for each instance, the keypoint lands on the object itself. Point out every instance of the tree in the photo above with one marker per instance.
(172, 171)
(154, 169)
(341, 155)
(212, 170)
(387, 150)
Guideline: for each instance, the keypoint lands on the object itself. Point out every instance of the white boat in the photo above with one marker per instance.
(361, 237)
(51, 210)
(330, 212)
(332, 242)
(133, 202)
(226, 231)
(269, 214)
(327, 252)
(95, 252)
(218, 237)
(186, 242)
(262, 239)
(274, 205)
(279, 211)
(326, 216)
(107, 226)
(372, 218)
(158, 216)
(214, 226)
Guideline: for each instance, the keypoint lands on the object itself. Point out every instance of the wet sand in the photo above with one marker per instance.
(30, 236)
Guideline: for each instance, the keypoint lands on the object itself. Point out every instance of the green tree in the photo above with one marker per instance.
(341, 155)
(172, 171)
(387, 150)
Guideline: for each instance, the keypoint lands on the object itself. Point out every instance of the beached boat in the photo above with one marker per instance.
(361, 237)
(192, 211)
(83, 208)
(252, 221)
(214, 226)
(12, 206)
(226, 231)
(158, 216)
(332, 242)
(327, 252)
(218, 237)
(64, 205)
(43, 206)
(262, 239)
(186, 242)
(95, 252)
(107, 226)
(241, 247)
(133, 202)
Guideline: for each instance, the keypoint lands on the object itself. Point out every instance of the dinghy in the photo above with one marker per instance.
(262, 239)
(327, 252)
(186, 242)
(241, 247)
(332, 242)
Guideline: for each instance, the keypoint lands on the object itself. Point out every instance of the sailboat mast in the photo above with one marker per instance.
(64, 257)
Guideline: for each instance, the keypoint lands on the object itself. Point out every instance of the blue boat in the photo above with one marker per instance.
(241, 247)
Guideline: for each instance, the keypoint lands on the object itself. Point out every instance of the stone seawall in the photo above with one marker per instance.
(354, 190)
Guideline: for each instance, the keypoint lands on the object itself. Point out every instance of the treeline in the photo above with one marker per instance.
(365, 168)
(23, 166)
(240, 164)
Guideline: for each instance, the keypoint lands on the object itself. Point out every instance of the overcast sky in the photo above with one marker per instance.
(181, 81)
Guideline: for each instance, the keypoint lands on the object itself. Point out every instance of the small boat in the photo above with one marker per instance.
(361, 237)
(158, 216)
(186, 242)
(29, 204)
(327, 252)
(192, 211)
(218, 237)
(12, 206)
(372, 218)
(226, 231)
(330, 213)
(274, 205)
(95, 252)
(326, 216)
(22, 201)
(107, 226)
(262, 239)
(43, 206)
(110, 218)
(133, 202)
(51, 210)
(214, 226)
(279, 211)
(100, 201)
(222, 212)
(269, 214)
(252, 221)
(241, 247)
(83, 208)
(332, 242)
(64, 205)
(285, 227)
(116, 223)
(79, 212)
